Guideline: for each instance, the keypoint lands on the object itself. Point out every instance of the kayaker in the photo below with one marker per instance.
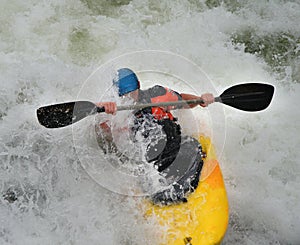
(166, 150)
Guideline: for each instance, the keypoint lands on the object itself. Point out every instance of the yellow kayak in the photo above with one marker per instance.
(203, 219)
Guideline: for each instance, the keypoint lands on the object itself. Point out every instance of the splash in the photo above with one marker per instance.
(49, 48)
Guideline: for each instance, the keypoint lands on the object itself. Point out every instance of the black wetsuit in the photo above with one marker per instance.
(177, 156)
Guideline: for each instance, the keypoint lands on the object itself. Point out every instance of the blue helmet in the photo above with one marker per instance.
(126, 82)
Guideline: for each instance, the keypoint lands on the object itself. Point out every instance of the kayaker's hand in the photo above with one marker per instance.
(110, 107)
(208, 99)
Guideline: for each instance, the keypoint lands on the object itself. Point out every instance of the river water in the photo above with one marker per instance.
(49, 48)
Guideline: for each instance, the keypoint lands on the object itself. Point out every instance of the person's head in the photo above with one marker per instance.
(126, 81)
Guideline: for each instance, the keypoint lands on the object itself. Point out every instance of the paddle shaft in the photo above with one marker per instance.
(162, 104)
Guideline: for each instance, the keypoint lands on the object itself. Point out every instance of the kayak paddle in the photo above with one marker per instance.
(246, 97)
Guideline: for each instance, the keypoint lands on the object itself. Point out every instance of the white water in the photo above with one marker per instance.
(48, 49)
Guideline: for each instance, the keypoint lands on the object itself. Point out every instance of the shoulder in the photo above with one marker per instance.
(157, 90)
(170, 93)
(147, 94)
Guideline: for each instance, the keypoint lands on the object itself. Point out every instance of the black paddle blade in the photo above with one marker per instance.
(61, 115)
(249, 96)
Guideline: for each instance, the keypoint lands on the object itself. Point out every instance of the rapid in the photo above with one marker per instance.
(49, 49)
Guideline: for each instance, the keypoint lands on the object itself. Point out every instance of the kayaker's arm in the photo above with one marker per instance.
(106, 130)
(207, 98)
(105, 139)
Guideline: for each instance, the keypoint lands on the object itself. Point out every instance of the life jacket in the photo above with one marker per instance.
(164, 113)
